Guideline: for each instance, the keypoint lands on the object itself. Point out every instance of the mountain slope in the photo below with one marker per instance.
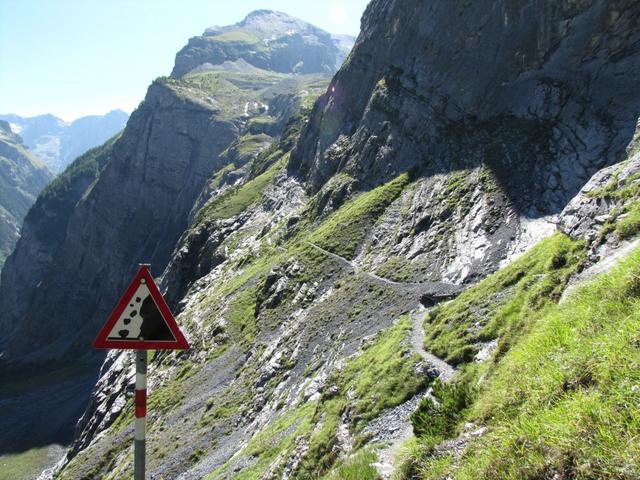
(303, 289)
(560, 376)
(350, 273)
(58, 143)
(22, 176)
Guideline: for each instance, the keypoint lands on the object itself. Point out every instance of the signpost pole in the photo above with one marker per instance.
(141, 414)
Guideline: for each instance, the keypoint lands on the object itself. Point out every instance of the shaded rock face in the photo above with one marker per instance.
(267, 40)
(607, 198)
(22, 176)
(542, 92)
(57, 143)
(134, 212)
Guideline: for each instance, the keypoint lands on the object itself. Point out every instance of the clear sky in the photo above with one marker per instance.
(80, 57)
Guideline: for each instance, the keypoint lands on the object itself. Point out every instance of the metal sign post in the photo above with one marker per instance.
(141, 321)
(141, 415)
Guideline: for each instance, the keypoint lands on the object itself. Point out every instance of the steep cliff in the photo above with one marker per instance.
(327, 286)
(542, 93)
(22, 176)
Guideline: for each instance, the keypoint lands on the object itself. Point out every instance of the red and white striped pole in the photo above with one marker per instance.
(141, 415)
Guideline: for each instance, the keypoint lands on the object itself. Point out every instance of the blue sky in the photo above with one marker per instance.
(80, 57)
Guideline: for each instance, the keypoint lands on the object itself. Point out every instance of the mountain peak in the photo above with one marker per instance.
(266, 39)
(262, 13)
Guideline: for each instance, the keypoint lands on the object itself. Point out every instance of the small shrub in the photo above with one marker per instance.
(439, 419)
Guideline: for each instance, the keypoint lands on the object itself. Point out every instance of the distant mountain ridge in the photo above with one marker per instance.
(57, 143)
(268, 40)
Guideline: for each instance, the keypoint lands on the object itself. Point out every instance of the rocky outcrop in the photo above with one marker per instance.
(57, 143)
(601, 199)
(267, 40)
(22, 176)
(542, 93)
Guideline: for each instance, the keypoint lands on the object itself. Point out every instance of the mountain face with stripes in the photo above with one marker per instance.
(57, 143)
(22, 176)
(433, 252)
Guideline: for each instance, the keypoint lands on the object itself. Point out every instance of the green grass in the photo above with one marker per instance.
(25, 465)
(566, 399)
(629, 225)
(237, 36)
(346, 228)
(239, 199)
(382, 376)
(400, 269)
(279, 436)
(356, 467)
(241, 316)
(503, 306)
(625, 216)
(437, 418)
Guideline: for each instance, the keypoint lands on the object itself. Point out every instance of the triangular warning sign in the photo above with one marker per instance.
(142, 319)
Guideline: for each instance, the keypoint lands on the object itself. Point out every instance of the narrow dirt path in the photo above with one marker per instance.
(436, 291)
(393, 426)
(349, 264)
(445, 371)
(342, 260)
(398, 418)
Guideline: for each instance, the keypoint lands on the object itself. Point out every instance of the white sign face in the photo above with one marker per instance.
(129, 324)
(141, 319)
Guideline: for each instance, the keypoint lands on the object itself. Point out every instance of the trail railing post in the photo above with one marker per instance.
(141, 415)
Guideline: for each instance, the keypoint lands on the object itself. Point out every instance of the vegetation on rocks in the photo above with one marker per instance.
(240, 198)
(345, 230)
(502, 307)
(561, 401)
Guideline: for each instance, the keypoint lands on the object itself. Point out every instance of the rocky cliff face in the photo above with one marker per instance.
(22, 176)
(57, 143)
(312, 282)
(267, 40)
(142, 194)
(542, 93)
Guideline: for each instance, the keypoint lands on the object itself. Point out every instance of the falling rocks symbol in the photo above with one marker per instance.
(142, 319)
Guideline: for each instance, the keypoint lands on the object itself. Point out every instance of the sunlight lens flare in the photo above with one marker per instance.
(337, 15)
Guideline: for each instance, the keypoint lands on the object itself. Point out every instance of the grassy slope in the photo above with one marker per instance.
(567, 397)
(502, 306)
(564, 399)
(27, 465)
(343, 232)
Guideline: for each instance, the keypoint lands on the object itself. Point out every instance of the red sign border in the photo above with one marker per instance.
(180, 342)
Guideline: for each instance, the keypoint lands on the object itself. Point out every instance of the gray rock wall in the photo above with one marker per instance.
(543, 92)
